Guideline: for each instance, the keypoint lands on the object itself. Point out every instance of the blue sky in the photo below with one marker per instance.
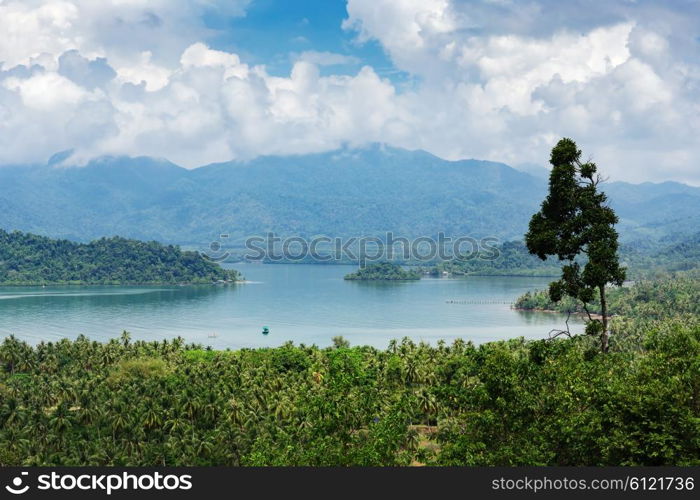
(273, 32)
(202, 81)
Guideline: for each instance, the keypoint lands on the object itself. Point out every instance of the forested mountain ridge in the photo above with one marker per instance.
(348, 192)
(27, 259)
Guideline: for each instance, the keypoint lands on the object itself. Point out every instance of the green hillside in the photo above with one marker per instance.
(27, 259)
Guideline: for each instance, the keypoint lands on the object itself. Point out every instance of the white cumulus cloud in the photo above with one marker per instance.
(499, 80)
(504, 80)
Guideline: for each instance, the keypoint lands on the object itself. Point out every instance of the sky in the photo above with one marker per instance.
(202, 81)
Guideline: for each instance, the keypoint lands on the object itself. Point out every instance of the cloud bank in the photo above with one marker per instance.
(491, 79)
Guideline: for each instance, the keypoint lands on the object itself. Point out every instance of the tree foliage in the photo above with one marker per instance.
(576, 221)
(28, 259)
(671, 295)
(510, 258)
(517, 402)
(383, 271)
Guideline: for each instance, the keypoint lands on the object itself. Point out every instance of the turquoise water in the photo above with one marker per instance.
(303, 303)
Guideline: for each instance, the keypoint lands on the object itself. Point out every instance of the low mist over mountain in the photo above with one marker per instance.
(342, 193)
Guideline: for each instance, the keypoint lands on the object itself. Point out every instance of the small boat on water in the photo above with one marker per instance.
(265, 330)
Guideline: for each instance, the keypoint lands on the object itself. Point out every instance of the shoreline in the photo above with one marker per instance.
(155, 283)
(554, 311)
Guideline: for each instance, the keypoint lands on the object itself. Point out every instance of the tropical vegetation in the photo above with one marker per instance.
(575, 222)
(670, 295)
(28, 259)
(510, 258)
(383, 271)
(516, 402)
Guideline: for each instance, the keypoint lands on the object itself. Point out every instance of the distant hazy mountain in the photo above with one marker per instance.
(533, 169)
(341, 193)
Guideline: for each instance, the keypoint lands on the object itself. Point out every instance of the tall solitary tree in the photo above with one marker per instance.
(576, 224)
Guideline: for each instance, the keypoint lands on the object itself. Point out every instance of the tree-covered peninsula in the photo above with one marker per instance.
(383, 271)
(672, 294)
(28, 259)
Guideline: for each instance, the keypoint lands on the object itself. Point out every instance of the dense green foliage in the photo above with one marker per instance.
(660, 298)
(513, 402)
(505, 403)
(576, 221)
(511, 259)
(27, 259)
(345, 193)
(383, 271)
(514, 260)
(648, 261)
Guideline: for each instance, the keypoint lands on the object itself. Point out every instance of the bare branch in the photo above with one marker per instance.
(585, 308)
(554, 333)
(559, 333)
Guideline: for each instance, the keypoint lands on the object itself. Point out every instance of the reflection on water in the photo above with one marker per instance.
(303, 303)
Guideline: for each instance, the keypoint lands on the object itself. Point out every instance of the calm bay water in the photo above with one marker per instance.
(303, 303)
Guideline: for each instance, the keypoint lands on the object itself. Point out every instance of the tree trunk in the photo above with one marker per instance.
(604, 337)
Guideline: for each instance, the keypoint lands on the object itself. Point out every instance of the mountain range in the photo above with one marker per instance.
(348, 192)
